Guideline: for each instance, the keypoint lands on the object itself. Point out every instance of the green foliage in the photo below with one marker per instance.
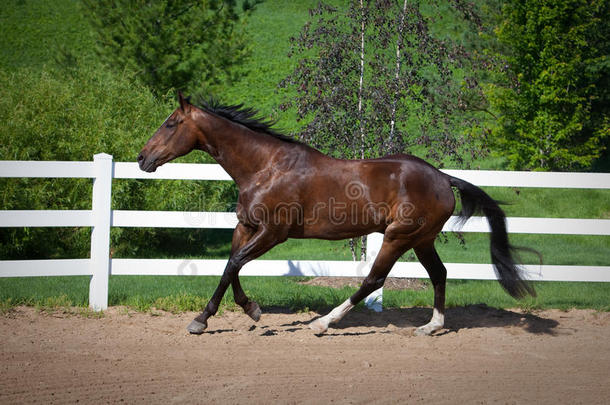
(59, 103)
(554, 100)
(186, 44)
(51, 115)
(380, 78)
(55, 115)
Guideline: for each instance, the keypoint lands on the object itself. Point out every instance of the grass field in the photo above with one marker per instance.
(189, 293)
(35, 35)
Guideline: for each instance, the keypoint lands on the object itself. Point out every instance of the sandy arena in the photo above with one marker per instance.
(483, 356)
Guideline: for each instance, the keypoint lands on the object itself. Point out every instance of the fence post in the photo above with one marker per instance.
(100, 233)
(373, 245)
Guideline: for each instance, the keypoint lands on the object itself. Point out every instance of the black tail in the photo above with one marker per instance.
(474, 200)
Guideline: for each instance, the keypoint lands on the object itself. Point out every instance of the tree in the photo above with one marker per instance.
(72, 115)
(381, 79)
(553, 99)
(182, 44)
(70, 110)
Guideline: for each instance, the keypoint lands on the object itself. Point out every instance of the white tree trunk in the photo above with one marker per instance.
(362, 141)
(361, 81)
(397, 72)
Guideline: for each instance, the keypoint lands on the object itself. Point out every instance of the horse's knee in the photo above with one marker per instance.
(369, 285)
(231, 271)
(372, 284)
(233, 263)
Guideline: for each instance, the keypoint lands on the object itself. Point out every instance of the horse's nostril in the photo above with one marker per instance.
(140, 157)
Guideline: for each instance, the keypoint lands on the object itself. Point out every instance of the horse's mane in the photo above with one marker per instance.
(245, 116)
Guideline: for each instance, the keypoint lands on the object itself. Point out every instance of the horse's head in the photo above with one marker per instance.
(176, 137)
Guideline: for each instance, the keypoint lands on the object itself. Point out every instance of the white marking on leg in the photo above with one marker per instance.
(437, 322)
(438, 318)
(374, 301)
(320, 325)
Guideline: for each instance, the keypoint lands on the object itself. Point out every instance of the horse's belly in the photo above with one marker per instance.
(337, 227)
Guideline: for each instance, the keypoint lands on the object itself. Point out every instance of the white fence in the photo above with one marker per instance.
(102, 217)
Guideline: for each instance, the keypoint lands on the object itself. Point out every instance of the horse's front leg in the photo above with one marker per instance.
(261, 242)
(241, 236)
(200, 323)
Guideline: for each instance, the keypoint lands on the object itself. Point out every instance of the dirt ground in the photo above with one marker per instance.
(391, 283)
(484, 356)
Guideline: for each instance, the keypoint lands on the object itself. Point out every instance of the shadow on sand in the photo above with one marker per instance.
(471, 316)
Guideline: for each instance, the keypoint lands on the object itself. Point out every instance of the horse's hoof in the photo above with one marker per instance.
(426, 330)
(318, 327)
(421, 332)
(253, 311)
(196, 327)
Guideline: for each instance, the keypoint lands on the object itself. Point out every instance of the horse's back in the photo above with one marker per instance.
(400, 187)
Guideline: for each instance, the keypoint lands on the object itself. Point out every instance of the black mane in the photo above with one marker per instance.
(245, 116)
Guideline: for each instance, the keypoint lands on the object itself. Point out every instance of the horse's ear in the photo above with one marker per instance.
(185, 106)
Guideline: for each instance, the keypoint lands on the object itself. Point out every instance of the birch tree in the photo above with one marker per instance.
(377, 78)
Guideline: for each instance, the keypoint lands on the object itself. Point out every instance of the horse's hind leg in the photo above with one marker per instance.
(426, 253)
(390, 251)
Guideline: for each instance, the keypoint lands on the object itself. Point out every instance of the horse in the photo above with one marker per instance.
(290, 190)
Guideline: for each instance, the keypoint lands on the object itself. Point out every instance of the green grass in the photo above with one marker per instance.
(36, 32)
(552, 202)
(559, 295)
(189, 293)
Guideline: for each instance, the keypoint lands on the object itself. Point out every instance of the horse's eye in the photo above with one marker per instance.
(170, 124)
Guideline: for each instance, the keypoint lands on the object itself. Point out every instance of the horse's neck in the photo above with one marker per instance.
(240, 151)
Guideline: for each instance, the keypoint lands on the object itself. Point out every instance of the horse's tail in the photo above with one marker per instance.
(474, 200)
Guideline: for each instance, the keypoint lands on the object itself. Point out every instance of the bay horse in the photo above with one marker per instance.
(290, 190)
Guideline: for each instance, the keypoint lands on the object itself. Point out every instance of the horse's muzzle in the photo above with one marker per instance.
(147, 165)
